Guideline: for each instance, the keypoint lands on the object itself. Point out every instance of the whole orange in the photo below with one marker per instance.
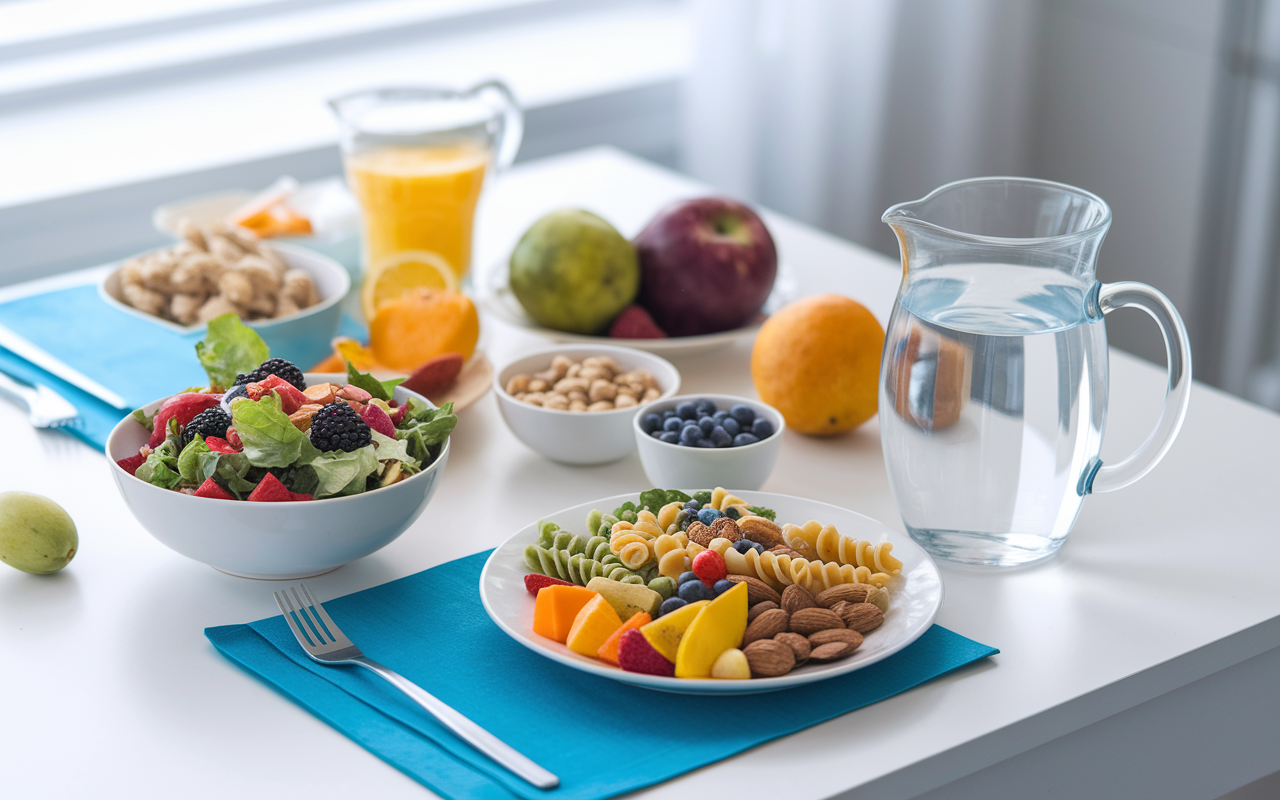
(818, 362)
(421, 324)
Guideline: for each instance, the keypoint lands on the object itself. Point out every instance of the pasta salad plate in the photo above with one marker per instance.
(897, 566)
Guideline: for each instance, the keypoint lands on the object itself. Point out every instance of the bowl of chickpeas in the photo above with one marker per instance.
(576, 404)
(291, 295)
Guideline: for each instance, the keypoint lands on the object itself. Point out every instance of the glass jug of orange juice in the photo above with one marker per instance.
(416, 159)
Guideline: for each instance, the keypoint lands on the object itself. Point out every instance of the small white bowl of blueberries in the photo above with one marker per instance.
(708, 440)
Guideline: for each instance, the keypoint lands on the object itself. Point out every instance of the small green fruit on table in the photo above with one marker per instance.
(36, 535)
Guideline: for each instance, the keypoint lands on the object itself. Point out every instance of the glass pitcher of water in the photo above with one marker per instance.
(993, 385)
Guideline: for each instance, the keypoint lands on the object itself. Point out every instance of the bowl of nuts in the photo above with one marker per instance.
(291, 295)
(575, 404)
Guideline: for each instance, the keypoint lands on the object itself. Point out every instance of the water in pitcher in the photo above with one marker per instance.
(988, 409)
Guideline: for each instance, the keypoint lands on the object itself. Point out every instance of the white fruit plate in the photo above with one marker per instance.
(496, 297)
(915, 597)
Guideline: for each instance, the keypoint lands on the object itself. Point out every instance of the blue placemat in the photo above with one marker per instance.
(136, 359)
(601, 737)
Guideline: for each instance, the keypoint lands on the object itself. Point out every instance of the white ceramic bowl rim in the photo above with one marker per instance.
(780, 424)
(610, 350)
(440, 458)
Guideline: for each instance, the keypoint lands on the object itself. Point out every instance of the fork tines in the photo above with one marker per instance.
(308, 620)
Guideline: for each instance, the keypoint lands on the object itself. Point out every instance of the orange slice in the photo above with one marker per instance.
(400, 273)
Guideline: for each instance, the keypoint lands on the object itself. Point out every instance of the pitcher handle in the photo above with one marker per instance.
(512, 121)
(1126, 294)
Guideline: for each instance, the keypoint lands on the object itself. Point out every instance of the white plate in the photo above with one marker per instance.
(915, 597)
(496, 297)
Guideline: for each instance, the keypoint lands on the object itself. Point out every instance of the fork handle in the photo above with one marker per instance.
(468, 731)
(19, 390)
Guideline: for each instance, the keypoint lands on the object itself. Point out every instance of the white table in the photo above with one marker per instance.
(1140, 662)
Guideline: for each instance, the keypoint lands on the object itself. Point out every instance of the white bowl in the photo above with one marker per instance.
(578, 437)
(677, 467)
(303, 338)
(277, 541)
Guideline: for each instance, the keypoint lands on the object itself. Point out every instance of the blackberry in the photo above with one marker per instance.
(210, 422)
(287, 370)
(338, 427)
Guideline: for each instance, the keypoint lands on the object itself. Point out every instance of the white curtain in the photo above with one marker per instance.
(832, 110)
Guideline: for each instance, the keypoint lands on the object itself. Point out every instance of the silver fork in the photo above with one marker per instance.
(46, 408)
(322, 640)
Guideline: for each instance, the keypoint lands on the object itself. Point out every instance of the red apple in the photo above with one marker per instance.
(706, 265)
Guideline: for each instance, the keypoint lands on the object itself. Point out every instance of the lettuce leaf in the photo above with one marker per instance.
(388, 449)
(364, 380)
(231, 470)
(161, 467)
(761, 511)
(425, 428)
(148, 422)
(270, 439)
(341, 473)
(229, 348)
(189, 461)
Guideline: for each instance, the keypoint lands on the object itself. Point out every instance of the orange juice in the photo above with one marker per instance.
(418, 199)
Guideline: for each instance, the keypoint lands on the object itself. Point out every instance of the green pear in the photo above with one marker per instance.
(36, 534)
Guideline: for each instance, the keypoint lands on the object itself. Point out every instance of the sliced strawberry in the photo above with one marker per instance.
(377, 419)
(211, 489)
(290, 398)
(131, 464)
(533, 583)
(220, 445)
(181, 407)
(233, 439)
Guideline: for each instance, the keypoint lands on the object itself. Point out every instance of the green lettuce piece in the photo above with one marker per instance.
(390, 385)
(189, 461)
(703, 497)
(229, 348)
(148, 422)
(675, 495)
(654, 499)
(341, 473)
(270, 439)
(388, 449)
(161, 466)
(364, 380)
(231, 471)
(425, 428)
(761, 511)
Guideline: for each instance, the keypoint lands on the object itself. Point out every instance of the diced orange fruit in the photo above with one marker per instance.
(592, 626)
(609, 650)
(420, 324)
(556, 608)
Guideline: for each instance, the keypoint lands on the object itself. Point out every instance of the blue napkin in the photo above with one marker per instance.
(138, 360)
(601, 737)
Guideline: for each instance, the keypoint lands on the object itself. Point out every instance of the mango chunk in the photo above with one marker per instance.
(665, 632)
(556, 608)
(628, 599)
(609, 650)
(595, 622)
(718, 627)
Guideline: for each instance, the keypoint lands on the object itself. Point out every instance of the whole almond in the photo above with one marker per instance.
(840, 607)
(862, 617)
(848, 592)
(811, 620)
(769, 659)
(798, 644)
(725, 528)
(760, 608)
(835, 635)
(761, 531)
(767, 625)
(697, 532)
(831, 651)
(757, 590)
(796, 597)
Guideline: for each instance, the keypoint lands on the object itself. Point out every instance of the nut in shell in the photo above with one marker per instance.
(725, 528)
(697, 532)
(767, 625)
(862, 617)
(847, 592)
(757, 590)
(769, 659)
(835, 635)
(796, 597)
(831, 651)
(811, 620)
(759, 608)
(798, 644)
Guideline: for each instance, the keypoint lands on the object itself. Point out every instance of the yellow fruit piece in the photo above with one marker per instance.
(818, 362)
(592, 627)
(665, 632)
(628, 599)
(731, 665)
(719, 627)
(361, 357)
(421, 324)
(402, 272)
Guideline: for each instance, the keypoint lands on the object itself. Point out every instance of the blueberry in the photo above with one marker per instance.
(668, 414)
(670, 437)
(743, 414)
(705, 408)
(685, 577)
(731, 426)
(651, 423)
(707, 424)
(759, 548)
(744, 439)
(232, 394)
(721, 437)
(762, 428)
(672, 424)
(690, 434)
(671, 604)
(742, 546)
(693, 591)
(720, 415)
(708, 515)
(687, 411)
(693, 505)
(705, 443)
(722, 586)
(657, 434)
